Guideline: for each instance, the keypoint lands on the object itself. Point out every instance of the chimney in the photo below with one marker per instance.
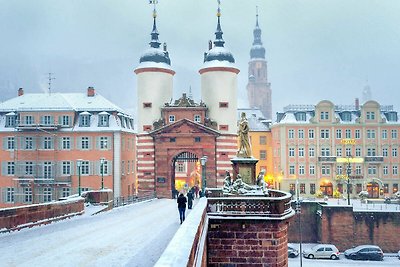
(20, 91)
(90, 91)
(357, 104)
(209, 45)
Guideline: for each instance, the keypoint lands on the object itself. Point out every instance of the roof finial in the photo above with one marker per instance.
(154, 34)
(257, 16)
(219, 41)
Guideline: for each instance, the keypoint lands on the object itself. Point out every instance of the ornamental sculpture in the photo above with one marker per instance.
(244, 141)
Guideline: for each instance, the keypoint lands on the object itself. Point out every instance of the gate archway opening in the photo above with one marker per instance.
(373, 189)
(186, 172)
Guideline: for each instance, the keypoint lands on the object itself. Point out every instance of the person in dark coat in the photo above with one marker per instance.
(181, 206)
(190, 199)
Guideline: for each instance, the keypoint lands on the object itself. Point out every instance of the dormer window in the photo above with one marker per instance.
(300, 116)
(370, 115)
(391, 116)
(171, 118)
(65, 120)
(29, 120)
(47, 120)
(84, 119)
(103, 119)
(11, 119)
(346, 116)
(324, 115)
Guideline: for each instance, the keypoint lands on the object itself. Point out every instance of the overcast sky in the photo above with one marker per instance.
(316, 49)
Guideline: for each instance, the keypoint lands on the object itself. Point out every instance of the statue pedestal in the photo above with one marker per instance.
(246, 167)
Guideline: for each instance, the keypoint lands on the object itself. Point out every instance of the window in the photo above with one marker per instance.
(171, 118)
(301, 116)
(394, 152)
(311, 169)
(385, 152)
(325, 170)
(358, 170)
(371, 152)
(122, 167)
(291, 170)
(47, 194)
(11, 120)
(66, 143)
(103, 142)
(384, 134)
(10, 143)
(47, 120)
(197, 139)
(223, 104)
(301, 151)
(301, 169)
(263, 154)
(385, 170)
(28, 194)
(394, 134)
(66, 192)
(147, 105)
(172, 140)
(338, 151)
(47, 143)
(197, 118)
(338, 134)
(394, 170)
(47, 170)
(85, 167)
(372, 170)
(357, 134)
(348, 133)
(395, 188)
(348, 151)
(339, 169)
(85, 142)
(292, 188)
(324, 133)
(358, 151)
(10, 168)
(66, 167)
(312, 189)
(104, 171)
(311, 152)
(28, 143)
(223, 127)
(311, 133)
(302, 188)
(29, 120)
(385, 188)
(291, 152)
(325, 152)
(103, 120)
(291, 134)
(370, 115)
(324, 115)
(84, 120)
(65, 120)
(263, 140)
(29, 168)
(300, 134)
(370, 134)
(10, 194)
(180, 166)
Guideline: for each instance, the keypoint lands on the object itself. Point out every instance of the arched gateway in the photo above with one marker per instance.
(185, 171)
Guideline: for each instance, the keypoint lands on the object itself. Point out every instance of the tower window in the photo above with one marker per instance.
(147, 105)
(147, 128)
(197, 139)
(223, 127)
(172, 139)
(171, 118)
(197, 118)
(223, 104)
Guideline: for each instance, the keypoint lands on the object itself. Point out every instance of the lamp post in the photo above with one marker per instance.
(79, 164)
(203, 161)
(348, 169)
(298, 211)
(102, 160)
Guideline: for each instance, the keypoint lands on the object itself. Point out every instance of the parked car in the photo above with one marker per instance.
(364, 252)
(292, 252)
(322, 251)
(398, 254)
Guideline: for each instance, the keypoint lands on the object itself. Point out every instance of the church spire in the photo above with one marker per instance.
(155, 43)
(219, 41)
(257, 51)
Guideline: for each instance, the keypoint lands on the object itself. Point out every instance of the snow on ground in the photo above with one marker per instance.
(133, 235)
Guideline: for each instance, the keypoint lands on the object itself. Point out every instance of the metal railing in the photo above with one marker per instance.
(122, 201)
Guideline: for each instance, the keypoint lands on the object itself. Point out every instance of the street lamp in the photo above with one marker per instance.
(203, 161)
(298, 211)
(79, 164)
(348, 169)
(102, 160)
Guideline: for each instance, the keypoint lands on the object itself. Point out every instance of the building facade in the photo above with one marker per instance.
(174, 136)
(318, 149)
(259, 91)
(55, 144)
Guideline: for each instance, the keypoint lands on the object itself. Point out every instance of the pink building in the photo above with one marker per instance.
(54, 144)
(317, 149)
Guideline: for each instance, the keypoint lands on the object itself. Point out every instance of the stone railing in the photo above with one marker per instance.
(276, 206)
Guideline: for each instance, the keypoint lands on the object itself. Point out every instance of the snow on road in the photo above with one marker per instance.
(134, 235)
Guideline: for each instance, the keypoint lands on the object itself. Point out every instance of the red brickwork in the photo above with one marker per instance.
(247, 243)
(20, 217)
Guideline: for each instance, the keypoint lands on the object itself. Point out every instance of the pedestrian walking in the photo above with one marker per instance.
(196, 191)
(181, 206)
(190, 198)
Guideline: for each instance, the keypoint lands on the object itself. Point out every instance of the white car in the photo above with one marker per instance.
(322, 251)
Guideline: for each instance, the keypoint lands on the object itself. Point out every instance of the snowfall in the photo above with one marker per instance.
(132, 235)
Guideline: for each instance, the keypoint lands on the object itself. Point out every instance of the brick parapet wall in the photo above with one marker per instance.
(240, 242)
(20, 217)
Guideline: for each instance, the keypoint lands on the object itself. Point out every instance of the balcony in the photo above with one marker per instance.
(60, 180)
(22, 126)
(330, 159)
(377, 159)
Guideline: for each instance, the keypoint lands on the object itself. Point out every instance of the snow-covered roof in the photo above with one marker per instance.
(255, 118)
(219, 57)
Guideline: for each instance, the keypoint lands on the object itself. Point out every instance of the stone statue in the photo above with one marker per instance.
(261, 183)
(239, 187)
(244, 141)
(227, 183)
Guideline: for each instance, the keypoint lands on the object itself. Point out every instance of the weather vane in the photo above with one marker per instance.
(219, 9)
(154, 2)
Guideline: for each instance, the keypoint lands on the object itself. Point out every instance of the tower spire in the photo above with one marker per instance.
(154, 33)
(219, 41)
(257, 51)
